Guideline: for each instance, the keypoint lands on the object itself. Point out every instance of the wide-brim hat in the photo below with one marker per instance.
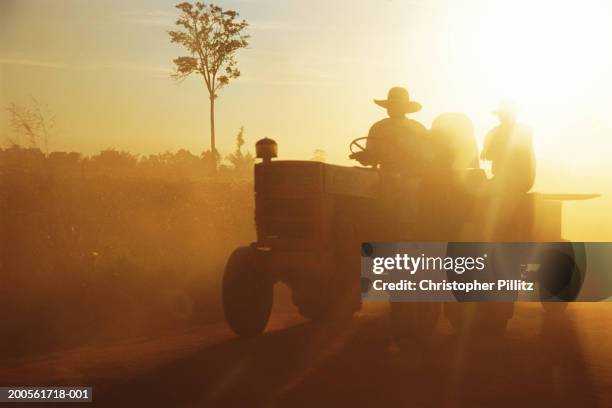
(400, 98)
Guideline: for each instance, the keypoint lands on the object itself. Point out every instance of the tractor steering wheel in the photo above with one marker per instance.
(356, 147)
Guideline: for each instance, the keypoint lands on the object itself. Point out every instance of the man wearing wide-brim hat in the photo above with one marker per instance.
(396, 143)
(509, 147)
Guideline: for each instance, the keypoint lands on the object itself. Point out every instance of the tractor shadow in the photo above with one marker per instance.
(317, 365)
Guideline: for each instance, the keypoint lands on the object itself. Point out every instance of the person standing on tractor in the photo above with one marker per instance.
(509, 148)
(395, 143)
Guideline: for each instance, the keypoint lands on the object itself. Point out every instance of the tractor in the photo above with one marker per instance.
(312, 217)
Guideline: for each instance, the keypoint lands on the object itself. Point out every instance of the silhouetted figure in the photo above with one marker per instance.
(509, 147)
(454, 143)
(396, 142)
(452, 151)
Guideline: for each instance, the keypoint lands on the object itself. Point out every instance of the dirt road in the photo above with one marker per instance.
(539, 361)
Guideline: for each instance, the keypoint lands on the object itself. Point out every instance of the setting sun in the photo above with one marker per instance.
(548, 56)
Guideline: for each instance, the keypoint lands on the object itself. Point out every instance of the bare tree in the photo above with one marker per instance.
(34, 123)
(212, 36)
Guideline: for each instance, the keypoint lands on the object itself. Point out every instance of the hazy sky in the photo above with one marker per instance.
(311, 72)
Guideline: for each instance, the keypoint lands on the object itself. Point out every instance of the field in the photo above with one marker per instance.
(112, 246)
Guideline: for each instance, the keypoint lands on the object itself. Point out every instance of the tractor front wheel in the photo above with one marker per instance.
(247, 294)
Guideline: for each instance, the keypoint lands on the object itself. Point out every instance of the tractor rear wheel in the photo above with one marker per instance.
(247, 294)
(561, 275)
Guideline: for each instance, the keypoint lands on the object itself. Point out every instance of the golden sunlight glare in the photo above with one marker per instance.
(550, 57)
(533, 50)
